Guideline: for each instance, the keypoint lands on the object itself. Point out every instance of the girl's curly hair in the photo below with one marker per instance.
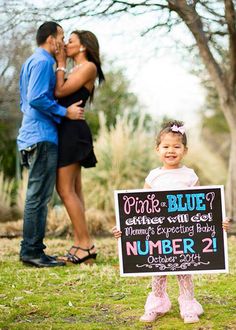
(166, 127)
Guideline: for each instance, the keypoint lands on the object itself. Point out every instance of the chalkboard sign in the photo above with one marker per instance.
(171, 232)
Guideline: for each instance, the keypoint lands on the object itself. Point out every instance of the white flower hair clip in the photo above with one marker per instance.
(177, 129)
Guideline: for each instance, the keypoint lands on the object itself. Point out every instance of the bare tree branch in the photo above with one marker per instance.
(4, 69)
(108, 8)
(212, 11)
(231, 20)
(194, 23)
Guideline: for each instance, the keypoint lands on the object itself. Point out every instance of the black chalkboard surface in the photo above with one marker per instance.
(171, 232)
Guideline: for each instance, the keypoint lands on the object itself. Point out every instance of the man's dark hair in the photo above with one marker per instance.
(45, 30)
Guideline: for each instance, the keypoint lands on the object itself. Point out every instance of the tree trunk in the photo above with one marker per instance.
(223, 83)
(231, 182)
(230, 196)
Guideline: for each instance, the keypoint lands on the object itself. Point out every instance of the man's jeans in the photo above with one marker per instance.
(42, 175)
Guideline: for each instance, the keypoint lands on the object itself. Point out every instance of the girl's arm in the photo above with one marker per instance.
(84, 76)
(117, 233)
(225, 223)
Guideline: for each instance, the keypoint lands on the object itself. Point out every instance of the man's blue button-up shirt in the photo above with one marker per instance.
(41, 112)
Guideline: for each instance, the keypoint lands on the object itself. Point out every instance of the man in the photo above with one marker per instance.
(37, 140)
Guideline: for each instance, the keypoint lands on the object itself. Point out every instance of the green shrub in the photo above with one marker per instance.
(125, 154)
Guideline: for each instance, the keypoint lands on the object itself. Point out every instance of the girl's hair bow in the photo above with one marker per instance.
(179, 129)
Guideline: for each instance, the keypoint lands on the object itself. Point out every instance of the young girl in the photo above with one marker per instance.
(171, 145)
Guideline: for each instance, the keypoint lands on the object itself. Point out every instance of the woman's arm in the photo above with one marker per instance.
(76, 80)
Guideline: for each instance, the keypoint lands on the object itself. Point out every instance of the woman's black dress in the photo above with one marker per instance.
(75, 138)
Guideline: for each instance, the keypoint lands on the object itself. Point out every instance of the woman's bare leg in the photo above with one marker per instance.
(70, 190)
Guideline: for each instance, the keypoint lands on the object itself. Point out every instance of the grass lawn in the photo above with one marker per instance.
(96, 297)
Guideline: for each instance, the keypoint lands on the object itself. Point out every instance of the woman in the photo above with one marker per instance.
(75, 139)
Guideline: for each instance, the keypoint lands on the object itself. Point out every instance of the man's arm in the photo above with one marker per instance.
(39, 96)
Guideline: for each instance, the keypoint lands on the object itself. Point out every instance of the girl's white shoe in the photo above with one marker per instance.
(155, 307)
(149, 317)
(190, 310)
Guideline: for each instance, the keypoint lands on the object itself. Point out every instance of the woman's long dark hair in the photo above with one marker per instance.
(90, 42)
